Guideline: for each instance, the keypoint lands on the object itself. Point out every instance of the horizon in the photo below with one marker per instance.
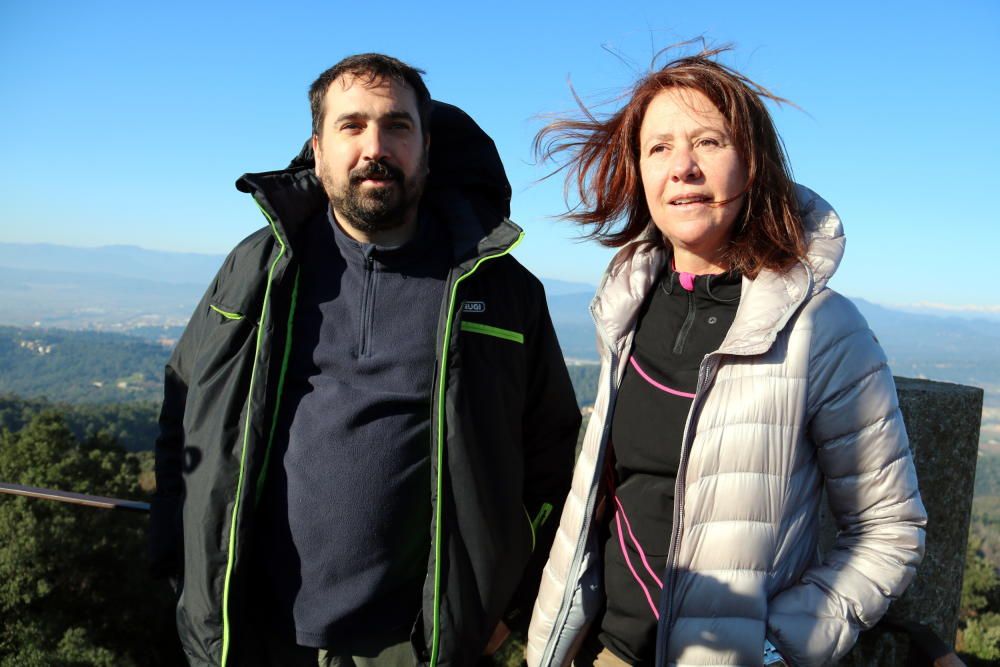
(964, 311)
(127, 125)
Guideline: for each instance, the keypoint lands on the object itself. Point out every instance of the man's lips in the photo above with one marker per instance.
(377, 174)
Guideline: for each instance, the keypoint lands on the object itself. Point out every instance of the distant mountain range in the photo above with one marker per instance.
(151, 294)
(108, 288)
(122, 261)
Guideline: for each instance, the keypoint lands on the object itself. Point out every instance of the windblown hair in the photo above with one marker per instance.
(370, 68)
(601, 159)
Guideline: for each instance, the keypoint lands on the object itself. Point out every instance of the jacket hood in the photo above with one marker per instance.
(467, 184)
(767, 302)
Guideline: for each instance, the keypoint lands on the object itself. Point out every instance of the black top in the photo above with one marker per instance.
(343, 537)
(685, 318)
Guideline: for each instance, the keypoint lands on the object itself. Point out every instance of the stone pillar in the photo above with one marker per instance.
(942, 420)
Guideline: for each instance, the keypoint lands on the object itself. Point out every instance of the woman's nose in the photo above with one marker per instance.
(683, 165)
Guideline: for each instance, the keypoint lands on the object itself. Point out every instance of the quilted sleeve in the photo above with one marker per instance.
(871, 485)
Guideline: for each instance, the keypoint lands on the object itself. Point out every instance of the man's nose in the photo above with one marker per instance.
(374, 147)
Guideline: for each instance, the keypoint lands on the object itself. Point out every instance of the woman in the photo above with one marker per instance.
(734, 387)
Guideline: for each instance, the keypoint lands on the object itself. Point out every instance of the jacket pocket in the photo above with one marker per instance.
(233, 312)
(226, 312)
(496, 332)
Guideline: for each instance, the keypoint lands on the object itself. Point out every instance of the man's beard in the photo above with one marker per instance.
(376, 209)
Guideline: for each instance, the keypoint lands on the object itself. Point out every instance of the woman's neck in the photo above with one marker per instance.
(686, 261)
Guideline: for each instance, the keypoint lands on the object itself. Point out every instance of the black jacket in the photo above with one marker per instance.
(503, 428)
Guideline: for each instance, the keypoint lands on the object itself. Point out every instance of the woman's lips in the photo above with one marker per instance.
(690, 200)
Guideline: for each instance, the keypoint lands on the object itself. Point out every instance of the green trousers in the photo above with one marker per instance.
(266, 649)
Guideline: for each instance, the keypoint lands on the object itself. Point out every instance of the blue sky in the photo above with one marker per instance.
(127, 123)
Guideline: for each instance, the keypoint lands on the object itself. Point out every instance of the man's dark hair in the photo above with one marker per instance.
(369, 68)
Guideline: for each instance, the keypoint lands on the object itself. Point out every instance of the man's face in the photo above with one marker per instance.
(371, 156)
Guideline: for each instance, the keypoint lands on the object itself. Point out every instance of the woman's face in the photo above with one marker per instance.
(689, 165)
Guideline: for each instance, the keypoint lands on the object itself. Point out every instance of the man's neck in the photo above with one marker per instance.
(391, 238)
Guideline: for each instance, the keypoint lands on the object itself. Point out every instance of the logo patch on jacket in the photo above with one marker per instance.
(473, 306)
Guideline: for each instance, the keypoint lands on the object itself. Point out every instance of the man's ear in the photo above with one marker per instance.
(427, 152)
(316, 152)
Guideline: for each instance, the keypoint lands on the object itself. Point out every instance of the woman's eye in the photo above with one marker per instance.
(658, 148)
(709, 143)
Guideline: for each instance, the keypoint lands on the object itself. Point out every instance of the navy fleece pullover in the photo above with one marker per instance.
(345, 520)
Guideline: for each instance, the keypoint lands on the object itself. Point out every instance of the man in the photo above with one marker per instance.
(367, 420)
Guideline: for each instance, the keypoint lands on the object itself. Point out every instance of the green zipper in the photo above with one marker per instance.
(225, 313)
(543, 514)
(243, 455)
(534, 524)
(281, 387)
(442, 382)
(496, 332)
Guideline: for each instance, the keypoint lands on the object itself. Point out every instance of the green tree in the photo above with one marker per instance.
(979, 636)
(73, 584)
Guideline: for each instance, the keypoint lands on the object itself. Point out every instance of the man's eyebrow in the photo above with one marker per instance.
(360, 115)
(399, 115)
(351, 115)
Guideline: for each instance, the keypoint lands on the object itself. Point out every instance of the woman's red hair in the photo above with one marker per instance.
(602, 165)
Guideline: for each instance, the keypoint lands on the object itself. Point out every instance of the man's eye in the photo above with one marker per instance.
(350, 127)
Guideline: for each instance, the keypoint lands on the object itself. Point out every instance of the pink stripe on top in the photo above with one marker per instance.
(687, 280)
(661, 387)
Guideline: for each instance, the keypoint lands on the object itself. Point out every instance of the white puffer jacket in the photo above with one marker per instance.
(797, 398)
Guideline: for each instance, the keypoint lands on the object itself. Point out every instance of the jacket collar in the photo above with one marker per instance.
(767, 303)
(467, 189)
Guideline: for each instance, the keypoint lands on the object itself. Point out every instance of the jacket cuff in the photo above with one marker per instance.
(808, 627)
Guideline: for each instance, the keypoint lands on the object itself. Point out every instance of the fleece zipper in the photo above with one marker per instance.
(365, 322)
(688, 323)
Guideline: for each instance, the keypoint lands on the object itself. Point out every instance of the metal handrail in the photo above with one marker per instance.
(101, 502)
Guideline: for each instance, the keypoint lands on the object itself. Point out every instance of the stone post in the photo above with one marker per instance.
(942, 420)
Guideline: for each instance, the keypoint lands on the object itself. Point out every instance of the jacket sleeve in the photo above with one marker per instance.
(165, 521)
(864, 457)
(551, 425)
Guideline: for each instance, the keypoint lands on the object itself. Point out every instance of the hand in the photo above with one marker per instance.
(500, 634)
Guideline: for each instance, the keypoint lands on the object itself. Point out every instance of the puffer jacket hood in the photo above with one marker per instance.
(631, 275)
(798, 398)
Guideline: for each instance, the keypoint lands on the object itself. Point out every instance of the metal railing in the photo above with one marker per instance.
(100, 502)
